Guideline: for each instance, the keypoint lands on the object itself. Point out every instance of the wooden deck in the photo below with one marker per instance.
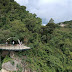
(14, 47)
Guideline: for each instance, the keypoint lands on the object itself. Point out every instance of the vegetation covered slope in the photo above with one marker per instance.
(51, 45)
(67, 23)
(16, 21)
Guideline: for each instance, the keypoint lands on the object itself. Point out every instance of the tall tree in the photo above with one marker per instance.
(51, 21)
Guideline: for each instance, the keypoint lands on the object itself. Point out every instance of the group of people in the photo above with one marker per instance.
(14, 43)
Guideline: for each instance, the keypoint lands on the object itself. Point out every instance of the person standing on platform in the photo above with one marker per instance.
(13, 42)
(6, 43)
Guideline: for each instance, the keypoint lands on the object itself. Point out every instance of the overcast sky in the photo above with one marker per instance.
(59, 10)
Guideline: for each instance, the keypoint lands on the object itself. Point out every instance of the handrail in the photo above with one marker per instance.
(16, 38)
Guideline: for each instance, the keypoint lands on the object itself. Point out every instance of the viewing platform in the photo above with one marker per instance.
(15, 47)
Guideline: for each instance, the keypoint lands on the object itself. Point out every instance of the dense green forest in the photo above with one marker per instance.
(51, 45)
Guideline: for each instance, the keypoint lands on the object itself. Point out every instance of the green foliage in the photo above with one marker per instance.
(6, 59)
(51, 45)
(19, 68)
(51, 21)
(12, 62)
(68, 24)
(51, 27)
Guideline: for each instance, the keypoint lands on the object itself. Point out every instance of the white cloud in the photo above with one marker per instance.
(59, 10)
(22, 2)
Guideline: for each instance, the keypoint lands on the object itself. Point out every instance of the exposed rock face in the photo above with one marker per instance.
(9, 67)
(27, 70)
(12, 66)
(3, 70)
(62, 25)
(34, 71)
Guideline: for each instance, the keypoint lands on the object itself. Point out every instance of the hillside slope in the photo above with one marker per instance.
(51, 45)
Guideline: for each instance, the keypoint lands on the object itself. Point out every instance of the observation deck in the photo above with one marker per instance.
(15, 47)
